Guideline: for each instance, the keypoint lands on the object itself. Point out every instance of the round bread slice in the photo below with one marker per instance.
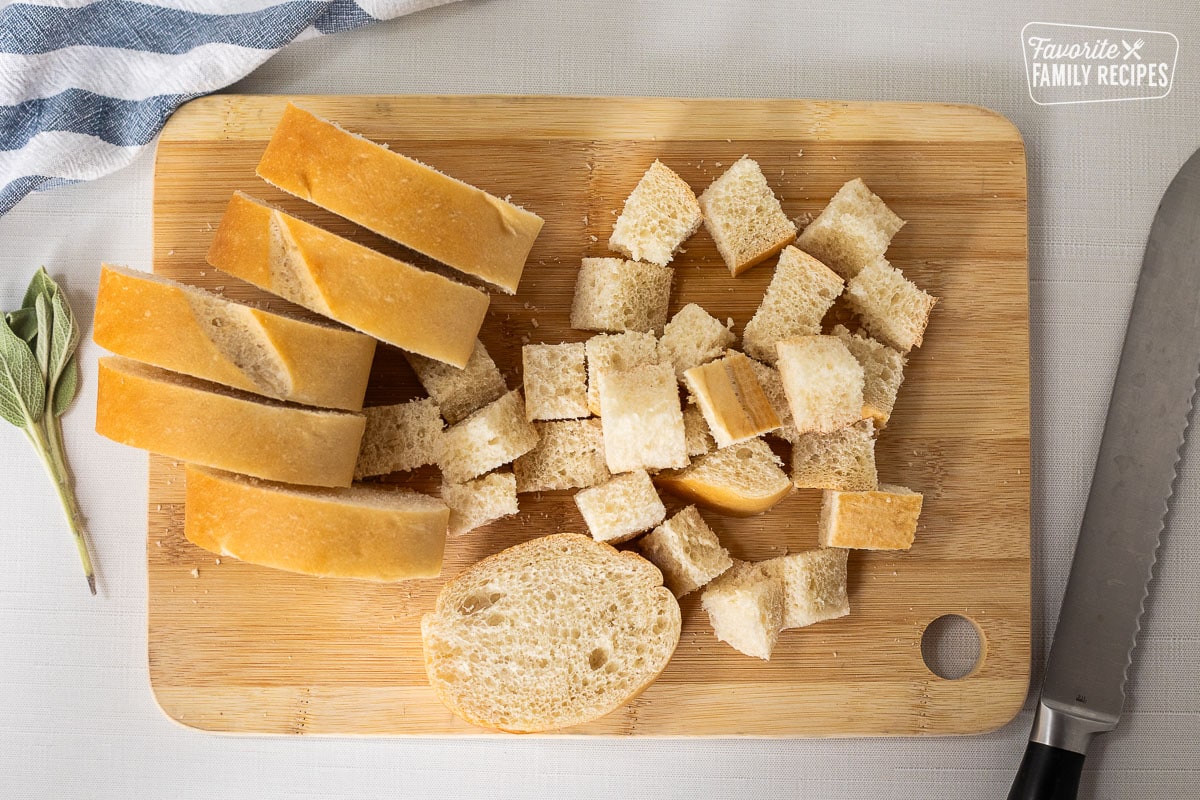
(553, 632)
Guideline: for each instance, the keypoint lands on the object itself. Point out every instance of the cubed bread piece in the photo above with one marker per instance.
(686, 550)
(569, 455)
(484, 500)
(745, 608)
(852, 231)
(494, 435)
(883, 373)
(823, 382)
(741, 480)
(612, 294)
(881, 520)
(842, 460)
(642, 419)
(616, 352)
(814, 585)
(696, 435)
(693, 337)
(621, 508)
(399, 438)
(659, 216)
(555, 380)
(772, 385)
(458, 392)
(799, 294)
(744, 217)
(891, 306)
(733, 402)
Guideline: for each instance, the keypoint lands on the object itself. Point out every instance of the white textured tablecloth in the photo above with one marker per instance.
(76, 715)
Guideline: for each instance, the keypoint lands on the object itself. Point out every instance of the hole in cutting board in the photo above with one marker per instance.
(952, 646)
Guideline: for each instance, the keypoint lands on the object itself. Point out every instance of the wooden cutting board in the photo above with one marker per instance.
(235, 647)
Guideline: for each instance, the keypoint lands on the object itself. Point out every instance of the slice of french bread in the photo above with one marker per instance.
(191, 420)
(553, 632)
(415, 310)
(155, 320)
(400, 198)
(361, 532)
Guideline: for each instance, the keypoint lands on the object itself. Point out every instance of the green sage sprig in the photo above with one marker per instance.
(39, 377)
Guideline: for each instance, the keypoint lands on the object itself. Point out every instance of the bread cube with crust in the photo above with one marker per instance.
(659, 216)
(800, 293)
(733, 402)
(885, 519)
(890, 306)
(739, 480)
(744, 216)
(883, 373)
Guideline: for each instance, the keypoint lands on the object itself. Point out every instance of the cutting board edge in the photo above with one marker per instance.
(208, 118)
(307, 717)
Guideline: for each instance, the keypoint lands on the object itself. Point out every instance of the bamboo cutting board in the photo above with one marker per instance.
(239, 648)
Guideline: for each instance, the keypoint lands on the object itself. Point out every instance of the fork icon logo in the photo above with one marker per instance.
(1132, 49)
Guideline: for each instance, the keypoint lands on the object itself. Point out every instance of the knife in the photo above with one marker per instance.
(1148, 413)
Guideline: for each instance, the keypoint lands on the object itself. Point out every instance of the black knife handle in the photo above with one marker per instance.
(1047, 773)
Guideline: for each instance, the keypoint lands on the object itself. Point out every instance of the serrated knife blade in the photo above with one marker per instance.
(1148, 415)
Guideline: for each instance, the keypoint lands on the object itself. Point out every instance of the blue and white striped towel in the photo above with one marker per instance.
(86, 84)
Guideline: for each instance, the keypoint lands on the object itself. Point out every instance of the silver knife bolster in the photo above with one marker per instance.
(1067, 728)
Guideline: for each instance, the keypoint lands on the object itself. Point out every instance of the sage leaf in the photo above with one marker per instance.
(22, 387)
(40, 286)
(23, 322)
(64, 337)
(65, 389)
(41, 342)
(39, 377)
